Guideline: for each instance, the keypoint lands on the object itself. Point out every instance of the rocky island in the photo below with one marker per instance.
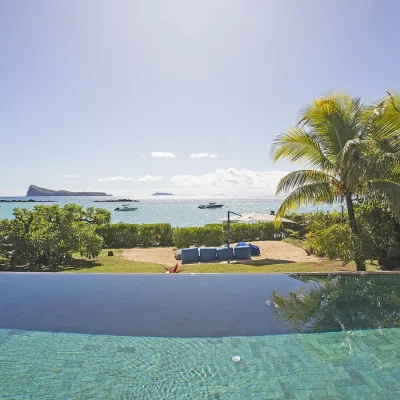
(116, 201)
(26, 201)
(39, 191)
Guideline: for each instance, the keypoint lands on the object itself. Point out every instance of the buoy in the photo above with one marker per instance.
(235, 358)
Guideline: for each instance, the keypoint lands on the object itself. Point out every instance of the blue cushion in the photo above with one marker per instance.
(190, 255)
(242, 253)
(222, 253)
(255, 250)
(208, 253)
(241, 244)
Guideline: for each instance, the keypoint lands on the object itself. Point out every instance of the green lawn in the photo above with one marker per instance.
(117, 264)
(295, 242)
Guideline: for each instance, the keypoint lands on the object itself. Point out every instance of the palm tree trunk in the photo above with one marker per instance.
(358, 257)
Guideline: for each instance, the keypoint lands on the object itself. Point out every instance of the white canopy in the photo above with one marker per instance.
(255, 217)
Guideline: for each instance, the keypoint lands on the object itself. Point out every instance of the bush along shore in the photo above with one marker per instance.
(51, 235)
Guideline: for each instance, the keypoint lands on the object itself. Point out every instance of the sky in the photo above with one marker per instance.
(186, 96)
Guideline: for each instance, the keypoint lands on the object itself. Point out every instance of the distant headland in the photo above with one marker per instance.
(161, 194)
(39, 191)
(117, 201)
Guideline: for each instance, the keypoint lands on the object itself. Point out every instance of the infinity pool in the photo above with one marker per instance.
(173, 337)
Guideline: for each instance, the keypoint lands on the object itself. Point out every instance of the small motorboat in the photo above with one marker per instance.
(125, 207)
(212, 204)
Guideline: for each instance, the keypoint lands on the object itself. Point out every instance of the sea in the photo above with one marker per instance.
(179, 211)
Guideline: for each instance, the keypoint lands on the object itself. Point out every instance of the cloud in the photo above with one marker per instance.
(203, 155)
(115, 179)
(143, 156)
(149, 178)
(146, 178)
(231, 177)
(72, 176)
(162, 154)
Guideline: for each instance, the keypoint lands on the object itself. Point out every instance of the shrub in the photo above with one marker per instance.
(215, 234)
(248, 232)
(135, 235)
(337, 242)
(209, 235)
(5, 246)
(380, 224)
(49, 235)
(119, 235)
(293, 234)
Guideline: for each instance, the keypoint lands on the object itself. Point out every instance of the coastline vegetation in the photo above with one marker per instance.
(56, 238)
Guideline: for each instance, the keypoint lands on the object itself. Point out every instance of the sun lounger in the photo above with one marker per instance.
(242, 252)
(208, 254)
(190, 255)
(222, 253)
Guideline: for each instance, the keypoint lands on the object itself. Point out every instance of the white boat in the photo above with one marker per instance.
(125, 207)
(212, 204)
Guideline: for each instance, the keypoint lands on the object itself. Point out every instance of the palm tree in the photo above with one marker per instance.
(341, 141)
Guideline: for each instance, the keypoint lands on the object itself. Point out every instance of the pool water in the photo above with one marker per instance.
(340, 365)
(351, 348)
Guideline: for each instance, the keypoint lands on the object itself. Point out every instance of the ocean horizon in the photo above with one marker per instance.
(181, 211)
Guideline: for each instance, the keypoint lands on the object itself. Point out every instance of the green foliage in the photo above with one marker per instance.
(209, 235)
(49, 235)
(328, 236)
(5, 246)
(135, 235)
(293, 234)
(215, 234)
(315, 220)
(378, 222)
(349, 150)
(337, 242)
(259, 231)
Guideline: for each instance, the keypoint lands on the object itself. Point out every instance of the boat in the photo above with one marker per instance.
(125, 207)
(212, 204)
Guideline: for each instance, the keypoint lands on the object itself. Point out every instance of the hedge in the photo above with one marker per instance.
(215, 234)
(147, 235)
(199, 236)
(135, 235)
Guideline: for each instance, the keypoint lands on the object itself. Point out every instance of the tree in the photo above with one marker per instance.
(342, 142)
(5, 246)
(49, 235)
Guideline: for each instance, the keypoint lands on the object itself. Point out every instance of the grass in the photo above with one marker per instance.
(295, 242)
(117, 264)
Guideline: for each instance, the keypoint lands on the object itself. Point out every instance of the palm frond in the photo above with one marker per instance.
(312, 194)
(335, 119)
(298, 145)
(299, 178)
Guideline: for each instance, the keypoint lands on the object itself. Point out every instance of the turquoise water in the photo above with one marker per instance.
(178, 211)
(351, 350)
(343, 365)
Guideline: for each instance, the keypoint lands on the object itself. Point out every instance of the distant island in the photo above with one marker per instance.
(39, 191)
(161, 194)
(116, 201)
(27, 201)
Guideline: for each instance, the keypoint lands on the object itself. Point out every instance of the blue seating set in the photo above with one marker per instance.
(242, 251)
